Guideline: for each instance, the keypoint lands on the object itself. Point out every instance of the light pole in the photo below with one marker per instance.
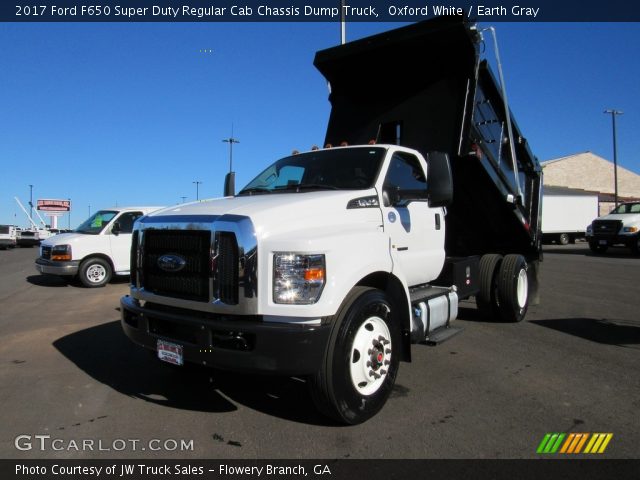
(231, 141)
(69, 213)
(197, 182)
(184, 199)
(89, 210)
(613, 113)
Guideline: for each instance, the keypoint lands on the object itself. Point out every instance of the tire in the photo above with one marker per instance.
(597, 248)
(348, 388)
(95, 272)
(564, 239)
(635, 246)
(513, 288)
(486, 298)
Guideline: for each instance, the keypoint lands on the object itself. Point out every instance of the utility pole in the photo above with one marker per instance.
(197, 182)
(613, 113)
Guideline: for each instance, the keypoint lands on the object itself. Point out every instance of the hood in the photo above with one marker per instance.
(289, 211)
(626, 218)
(65, 238)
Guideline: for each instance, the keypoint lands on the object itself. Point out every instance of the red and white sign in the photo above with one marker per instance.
(54, 205)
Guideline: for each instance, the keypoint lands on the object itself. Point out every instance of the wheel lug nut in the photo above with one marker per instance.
(382, 372)
(387, 351)
(386, 362)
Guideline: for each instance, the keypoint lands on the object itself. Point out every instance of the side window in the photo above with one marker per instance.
(405, 174)
(126, 221)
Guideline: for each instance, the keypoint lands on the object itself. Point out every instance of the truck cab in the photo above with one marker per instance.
(95, 251)
(620, 227)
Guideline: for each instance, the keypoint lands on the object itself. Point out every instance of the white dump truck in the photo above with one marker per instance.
(95, 251)
(332, 263)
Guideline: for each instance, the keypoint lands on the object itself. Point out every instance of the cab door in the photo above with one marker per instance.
(120, 240)
(416, 231)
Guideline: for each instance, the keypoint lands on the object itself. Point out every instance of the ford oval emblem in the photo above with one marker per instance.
(171, 262)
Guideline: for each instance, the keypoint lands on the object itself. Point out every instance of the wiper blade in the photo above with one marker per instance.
(254, 190)
(307, 186)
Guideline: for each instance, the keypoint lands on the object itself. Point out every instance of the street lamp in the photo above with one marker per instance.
(69, 213)
(197, 182)
(230, 141)
(615, 153)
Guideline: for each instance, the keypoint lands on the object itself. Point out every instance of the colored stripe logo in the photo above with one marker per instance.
(574, 443)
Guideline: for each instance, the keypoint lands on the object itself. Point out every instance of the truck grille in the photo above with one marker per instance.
(226, 266)
(606, 227)
(178, 264)
(46, 252)
(189, 282)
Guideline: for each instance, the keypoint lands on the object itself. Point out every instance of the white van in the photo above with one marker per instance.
(7, 236)
(95, 251)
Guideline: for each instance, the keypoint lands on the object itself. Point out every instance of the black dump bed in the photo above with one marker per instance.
(424, 86)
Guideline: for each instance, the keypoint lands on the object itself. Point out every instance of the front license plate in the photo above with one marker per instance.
(170, 352)
(603, 242)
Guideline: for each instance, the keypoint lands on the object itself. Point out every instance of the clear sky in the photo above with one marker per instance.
(131, 114)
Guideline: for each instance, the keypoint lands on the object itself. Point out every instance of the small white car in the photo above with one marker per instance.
(95, 251)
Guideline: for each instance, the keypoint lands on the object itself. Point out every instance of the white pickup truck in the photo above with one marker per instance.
(620, 227)
(95, 251)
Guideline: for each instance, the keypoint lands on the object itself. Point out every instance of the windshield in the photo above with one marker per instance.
(331, 169)
(96, 222)
(627, 208)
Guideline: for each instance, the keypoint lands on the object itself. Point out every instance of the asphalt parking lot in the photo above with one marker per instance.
(67, 371)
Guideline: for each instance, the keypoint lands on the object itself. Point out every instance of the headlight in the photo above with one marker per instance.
(298, 278)
(630, 229)
(61, 253)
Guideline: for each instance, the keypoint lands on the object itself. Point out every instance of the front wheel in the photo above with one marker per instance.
(361, 360)
(95, 272)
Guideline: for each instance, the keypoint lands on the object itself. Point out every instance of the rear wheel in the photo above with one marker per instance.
(564, 239)
(486, 297)
(513, 288)
(362, 358)
(95, 272)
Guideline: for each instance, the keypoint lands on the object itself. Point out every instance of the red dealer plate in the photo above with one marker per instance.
(170, 352)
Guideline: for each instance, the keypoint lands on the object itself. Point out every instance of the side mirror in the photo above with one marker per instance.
(230, 184)
(116, 229)
(439, 179)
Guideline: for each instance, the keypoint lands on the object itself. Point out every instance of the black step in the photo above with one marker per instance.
(442, 335)
(426, 292)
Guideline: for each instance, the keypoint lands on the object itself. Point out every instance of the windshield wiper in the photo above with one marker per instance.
(254, 190)
(307, 186)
